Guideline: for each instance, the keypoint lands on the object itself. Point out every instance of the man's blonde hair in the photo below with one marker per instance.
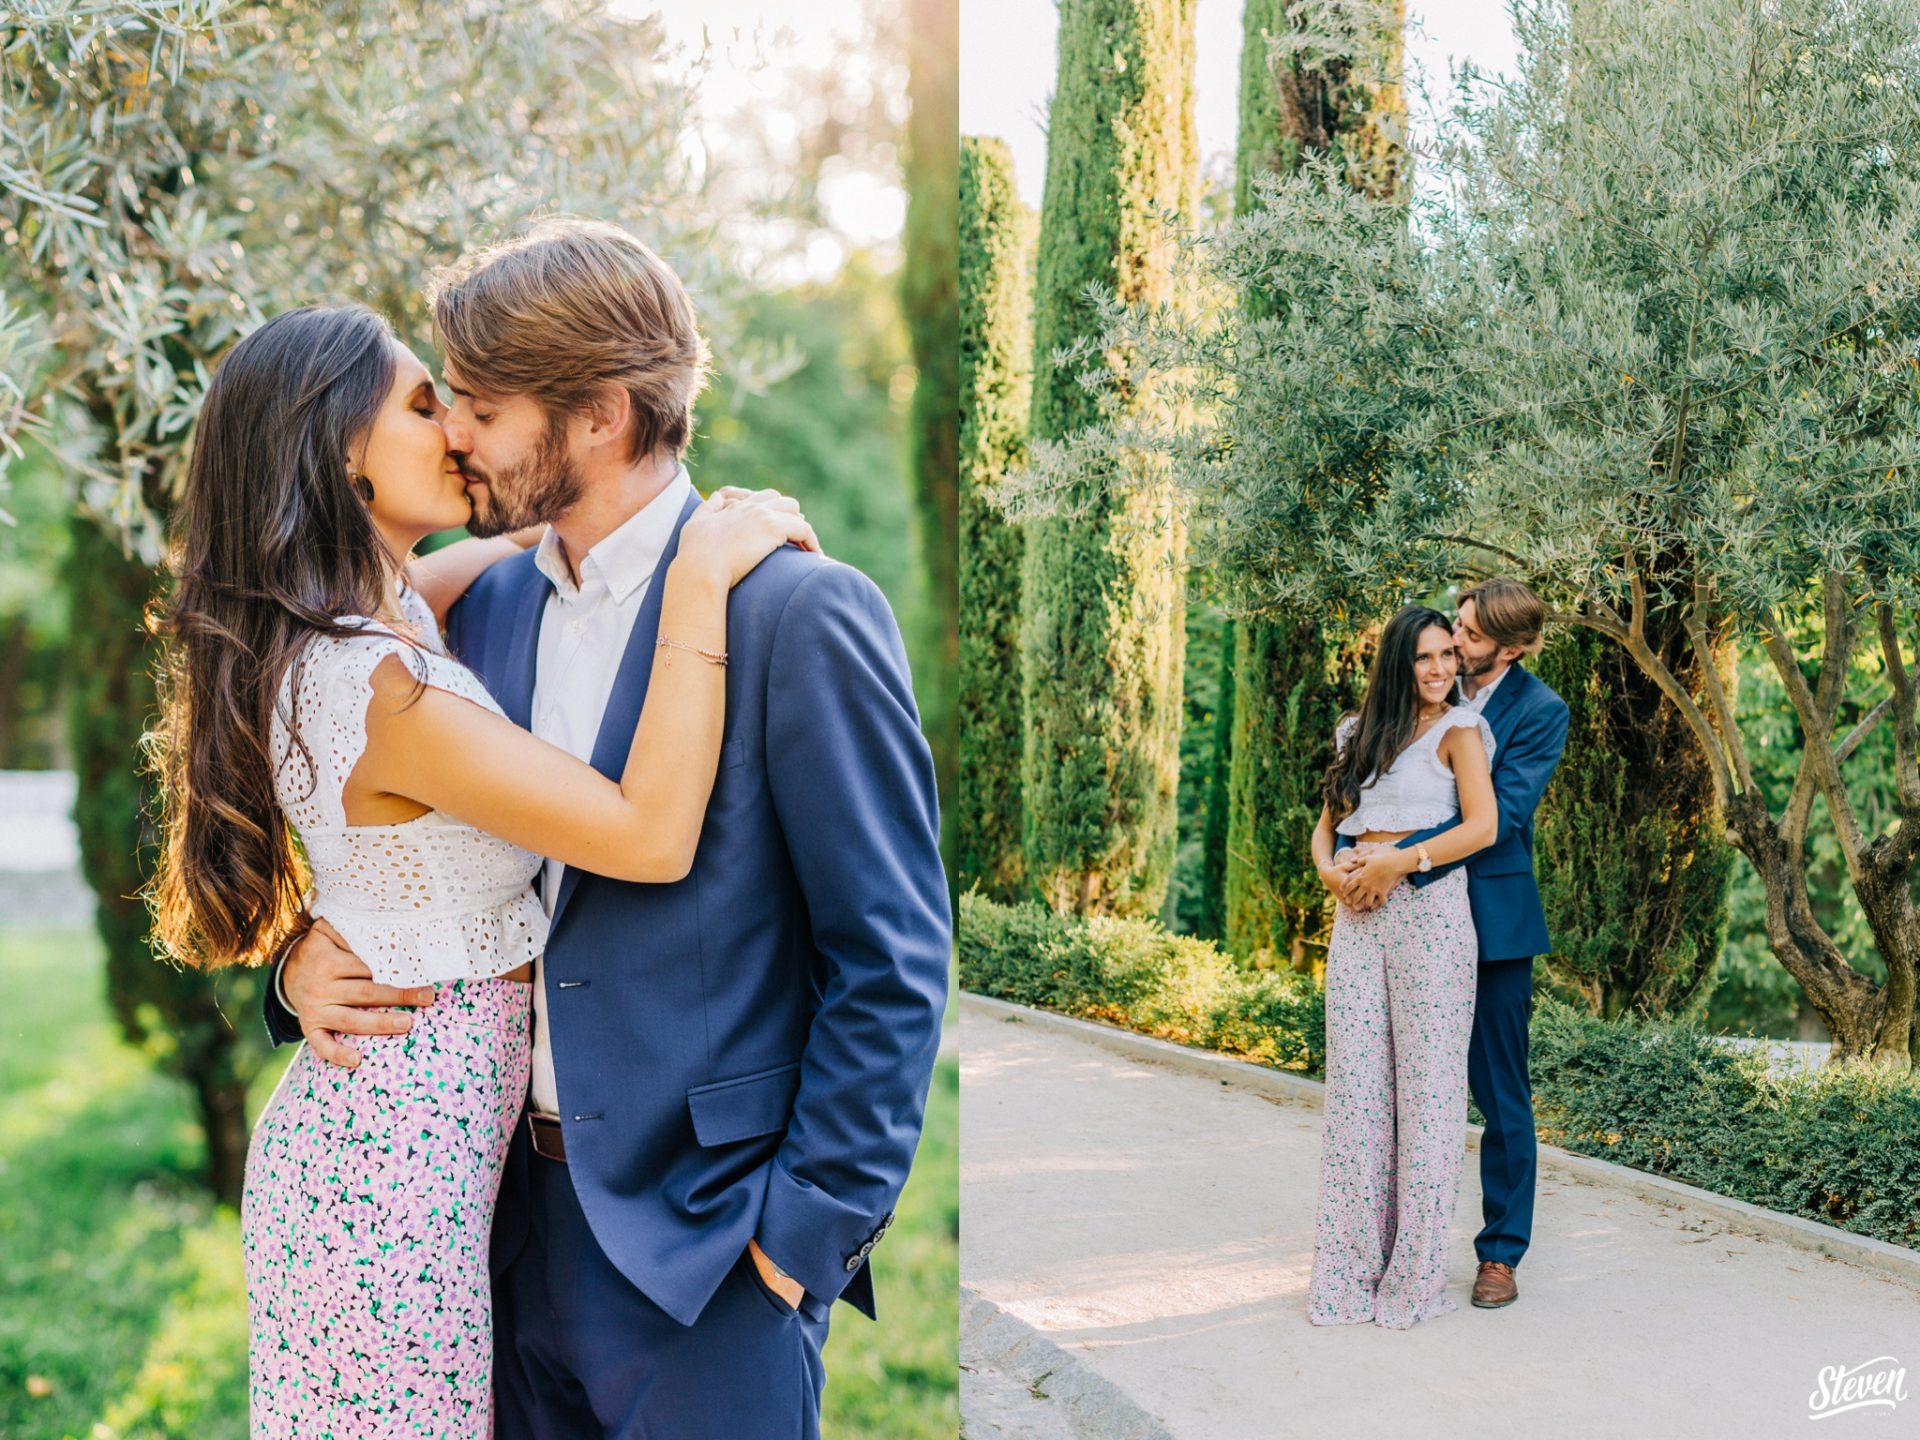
(1507, 612)
(568, 309)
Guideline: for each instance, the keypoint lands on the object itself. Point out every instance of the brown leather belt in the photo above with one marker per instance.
(548, 1139)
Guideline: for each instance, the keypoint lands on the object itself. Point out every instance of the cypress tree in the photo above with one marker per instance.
(1291, 676)
(1629, 847)
(996, 391)
(1211, 922)
(1208, 685)
(1103, 590)
(930, 301)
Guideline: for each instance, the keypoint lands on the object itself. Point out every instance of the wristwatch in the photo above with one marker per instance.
(1426, 860)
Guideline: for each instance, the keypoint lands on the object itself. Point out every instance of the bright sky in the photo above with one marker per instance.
(749, 45)
(1004, 87)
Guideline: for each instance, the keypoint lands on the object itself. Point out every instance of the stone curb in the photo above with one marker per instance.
(1888, 1261)
(1092, 1407)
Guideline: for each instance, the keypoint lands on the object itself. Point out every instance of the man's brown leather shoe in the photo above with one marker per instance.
(1493, 1286)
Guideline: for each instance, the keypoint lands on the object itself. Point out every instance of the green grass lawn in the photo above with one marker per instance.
(122, 1307)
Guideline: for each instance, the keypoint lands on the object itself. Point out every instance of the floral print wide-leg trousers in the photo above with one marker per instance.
(1400, 988)
(364, 1225)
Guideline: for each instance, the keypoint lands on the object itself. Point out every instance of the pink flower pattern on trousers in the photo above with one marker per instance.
(364, 1223)
(1400, 989)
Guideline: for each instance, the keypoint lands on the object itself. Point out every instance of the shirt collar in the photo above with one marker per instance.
(627, 556)
(1485, 693)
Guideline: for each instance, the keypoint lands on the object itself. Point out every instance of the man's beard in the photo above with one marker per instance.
(1474, 669)
(544, 485)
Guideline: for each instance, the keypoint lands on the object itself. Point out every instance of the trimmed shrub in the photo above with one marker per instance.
(1194, 900)
(1133, 974)
(1290, 687)
(1840, 1145)
(200, 1027)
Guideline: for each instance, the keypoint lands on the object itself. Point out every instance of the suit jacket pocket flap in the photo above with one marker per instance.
(745, 1106)
(1509, 857)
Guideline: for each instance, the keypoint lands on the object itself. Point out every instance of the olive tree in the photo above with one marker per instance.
(1652, 342)
(174, 171)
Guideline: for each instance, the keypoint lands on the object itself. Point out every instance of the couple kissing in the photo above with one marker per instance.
(596, 857)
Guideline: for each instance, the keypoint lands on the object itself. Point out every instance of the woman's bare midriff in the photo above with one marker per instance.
(519, 972)
(1384, 837)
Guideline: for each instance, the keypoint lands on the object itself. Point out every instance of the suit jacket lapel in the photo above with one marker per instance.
(523, 651)
(615, 736)
(1502, 701)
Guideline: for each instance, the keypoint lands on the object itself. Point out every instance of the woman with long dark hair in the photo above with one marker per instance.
(1400, 984)
(315, 731)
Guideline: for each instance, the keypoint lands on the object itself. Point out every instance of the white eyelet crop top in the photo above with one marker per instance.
(431, 899)
(1418, 789)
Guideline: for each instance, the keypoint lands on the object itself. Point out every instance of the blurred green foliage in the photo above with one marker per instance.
(33, 614)
(833, 432)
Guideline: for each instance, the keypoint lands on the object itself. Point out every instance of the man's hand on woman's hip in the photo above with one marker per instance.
(332, 993)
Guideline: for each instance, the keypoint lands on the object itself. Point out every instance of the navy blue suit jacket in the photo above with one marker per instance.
(1529, 724)
(746, 1053)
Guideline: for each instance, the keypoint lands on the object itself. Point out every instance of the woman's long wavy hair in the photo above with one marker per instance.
(273, 545)
(1389, 712)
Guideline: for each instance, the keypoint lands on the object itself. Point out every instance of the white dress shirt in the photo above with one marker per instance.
(1478, 701)
(583, 636)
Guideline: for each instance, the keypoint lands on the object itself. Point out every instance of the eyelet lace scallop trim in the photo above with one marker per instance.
(408, 950)
(427, 900)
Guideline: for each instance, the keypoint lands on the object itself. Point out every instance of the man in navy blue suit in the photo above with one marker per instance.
(1498, 622)
(730, 1072)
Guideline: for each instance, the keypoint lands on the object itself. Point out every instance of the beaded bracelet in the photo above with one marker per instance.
(711, 657)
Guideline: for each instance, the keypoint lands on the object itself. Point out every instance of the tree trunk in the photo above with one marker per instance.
(1886, 898)
(1856, 1010)
(223, 1117)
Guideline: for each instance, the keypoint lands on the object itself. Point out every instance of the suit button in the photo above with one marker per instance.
(853, 1263)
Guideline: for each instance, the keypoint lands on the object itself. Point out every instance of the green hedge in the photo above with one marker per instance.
(1837, 1146)
(1840, 1145)
(1134, 974)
